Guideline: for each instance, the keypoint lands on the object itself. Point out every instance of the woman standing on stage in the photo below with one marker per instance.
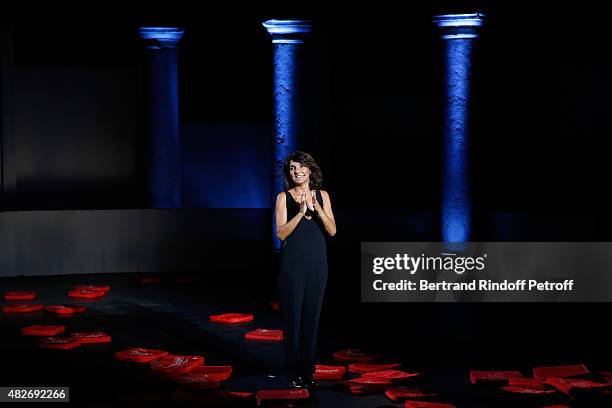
(303, 219)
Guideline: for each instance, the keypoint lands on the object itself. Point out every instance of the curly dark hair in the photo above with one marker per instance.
(316, 176)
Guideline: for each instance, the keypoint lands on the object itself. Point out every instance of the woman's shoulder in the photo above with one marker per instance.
(281, 196)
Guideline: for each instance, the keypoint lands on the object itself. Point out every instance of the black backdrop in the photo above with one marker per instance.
(541, 90)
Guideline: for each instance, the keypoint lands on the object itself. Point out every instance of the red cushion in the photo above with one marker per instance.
(231, 318)
(571, 386)
(368, 381)
(531, 391)
(219, 373)
(361, 368)
(422, 404)
(530, 383)
(264, 334)
(240, 394)
(492, 377)
(173, 364)
(64, 309)
(196, 381)
(204, 377)
(283, 394)
(20, 295)
(326, 372)
(22, 308)
(92, 337)
(86, 294)
(140, 355)
(355, 355)
(560, 371)
(42, 330)
(103, 288)
(400, 393)
(394, 376)
(63, 343)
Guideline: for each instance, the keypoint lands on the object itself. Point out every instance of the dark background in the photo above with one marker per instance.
(541, 94)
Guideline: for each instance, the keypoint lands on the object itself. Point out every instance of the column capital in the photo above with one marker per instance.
(288, 31)
(459, 26)
(161, 37)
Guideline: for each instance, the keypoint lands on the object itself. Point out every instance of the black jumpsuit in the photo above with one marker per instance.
(302, 281)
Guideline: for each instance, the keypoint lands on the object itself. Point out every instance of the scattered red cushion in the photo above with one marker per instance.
(240, 394)
(196, 381)
(86, 294)
(219, 373)
(20, 295)
(326, 372)
(356, 355)
(531, 391)
(22, 308)
(368, 381)
(560, 371)
(400, 393)
(231, 318)
(41, 330)
(140, 355)
(173, 364)
(492, 377)
(572, 386)
(282, 395)
(104, 288)
(422, 404)
(64, 309)
(361, 368)
(393, 376)
(204, 377)
(92, 337)
(265, 335)
(62, 343)
(530, 383)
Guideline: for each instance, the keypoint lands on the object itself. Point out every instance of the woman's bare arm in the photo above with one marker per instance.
(325, 213)
(284, 228)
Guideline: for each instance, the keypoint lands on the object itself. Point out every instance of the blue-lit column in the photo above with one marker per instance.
(165, 170)
(459, 31)
(287, 39)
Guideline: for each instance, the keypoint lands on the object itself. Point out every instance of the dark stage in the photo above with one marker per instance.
(172, 314)
(141, 148)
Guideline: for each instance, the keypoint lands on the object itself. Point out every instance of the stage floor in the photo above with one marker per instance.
(172, 315)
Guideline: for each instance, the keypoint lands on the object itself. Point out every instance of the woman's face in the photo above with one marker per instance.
(299, 174)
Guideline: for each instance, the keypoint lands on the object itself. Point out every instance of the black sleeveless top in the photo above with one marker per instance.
(308, 238)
